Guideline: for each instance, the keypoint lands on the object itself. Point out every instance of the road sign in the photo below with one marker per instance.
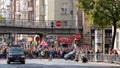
(51, 37)
(43, 43)
(58, 23)
(77, 36)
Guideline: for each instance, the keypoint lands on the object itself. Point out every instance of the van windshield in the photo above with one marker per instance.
(16, 50)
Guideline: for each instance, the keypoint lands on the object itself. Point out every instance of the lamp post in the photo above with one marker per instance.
(77, 31)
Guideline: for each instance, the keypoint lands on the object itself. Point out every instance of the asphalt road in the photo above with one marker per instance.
(55, 63)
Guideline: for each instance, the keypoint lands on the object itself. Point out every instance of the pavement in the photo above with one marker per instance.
(69, 62)
(61, 62)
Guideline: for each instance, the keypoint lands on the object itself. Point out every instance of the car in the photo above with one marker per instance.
(15, 54)
(70, 55)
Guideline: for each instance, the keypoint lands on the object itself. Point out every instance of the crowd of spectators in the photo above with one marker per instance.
(33, 51)
(3, 51)
(36, 51)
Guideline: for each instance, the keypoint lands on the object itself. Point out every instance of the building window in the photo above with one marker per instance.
(65, 23)
(64, 8)
(37, 10)
(42, 10)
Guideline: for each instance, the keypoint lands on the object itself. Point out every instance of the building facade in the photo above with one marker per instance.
(117, 39)
(56, 10)
(5, 8)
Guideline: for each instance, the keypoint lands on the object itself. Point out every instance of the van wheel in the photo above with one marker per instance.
(8, 62)
(72, 58)
(23, 62)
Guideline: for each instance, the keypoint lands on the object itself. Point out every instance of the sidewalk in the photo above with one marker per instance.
(70, 62)
(105, 63)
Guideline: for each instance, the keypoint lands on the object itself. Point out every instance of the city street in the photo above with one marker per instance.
(55, 63)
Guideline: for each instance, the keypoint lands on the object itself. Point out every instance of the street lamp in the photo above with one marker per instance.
(76, 20)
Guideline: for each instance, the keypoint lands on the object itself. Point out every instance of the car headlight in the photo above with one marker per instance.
(23, 56)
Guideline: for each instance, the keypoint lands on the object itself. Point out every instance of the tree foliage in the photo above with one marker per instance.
(1, 19)
(118, 24)
(102, 13)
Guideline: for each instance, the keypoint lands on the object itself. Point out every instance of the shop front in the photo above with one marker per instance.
(64, 41)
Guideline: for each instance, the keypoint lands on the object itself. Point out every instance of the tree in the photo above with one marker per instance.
(102, 13)
(118, 24)
(1, 19)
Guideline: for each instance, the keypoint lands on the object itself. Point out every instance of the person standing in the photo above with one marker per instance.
(51, 53)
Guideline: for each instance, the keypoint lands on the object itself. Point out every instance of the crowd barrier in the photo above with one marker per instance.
(102, 58)
(114, 58)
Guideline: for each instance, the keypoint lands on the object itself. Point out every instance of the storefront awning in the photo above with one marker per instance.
(65, 40)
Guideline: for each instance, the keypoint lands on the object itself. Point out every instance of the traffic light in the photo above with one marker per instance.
(52, 24)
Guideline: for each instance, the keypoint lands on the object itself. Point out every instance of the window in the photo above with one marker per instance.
(65, 23)
(37, 10)
(42, 10)
(17, 6)
(64, 8)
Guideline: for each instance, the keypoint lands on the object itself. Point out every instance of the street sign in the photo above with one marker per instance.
(51, 37)
(43, 43)
(58, 23)
(77, 36)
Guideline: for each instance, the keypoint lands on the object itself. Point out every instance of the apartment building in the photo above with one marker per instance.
(21, 9)
(18, 9)
(5, 8)
(56, 10)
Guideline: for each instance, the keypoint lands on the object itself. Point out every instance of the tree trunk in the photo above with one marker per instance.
(114, 34)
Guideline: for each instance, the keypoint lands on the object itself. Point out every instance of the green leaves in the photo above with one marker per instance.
(118, 24)
(1, 19)
(101, 13)
(86, 5)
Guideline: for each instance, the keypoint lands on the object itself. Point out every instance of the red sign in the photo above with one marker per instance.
(65, 40)
(77, 36)
(43, 43)
(58, 23)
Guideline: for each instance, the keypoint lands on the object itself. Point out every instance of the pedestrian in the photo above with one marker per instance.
(51, 53)
(98, 55)
(84, 59)
(77, 56)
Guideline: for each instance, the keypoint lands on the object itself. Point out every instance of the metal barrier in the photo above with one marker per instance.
(92, 57)
(109, 58)
(102, 58)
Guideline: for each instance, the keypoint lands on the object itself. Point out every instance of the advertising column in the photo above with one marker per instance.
(99, 44)
(98, 40)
